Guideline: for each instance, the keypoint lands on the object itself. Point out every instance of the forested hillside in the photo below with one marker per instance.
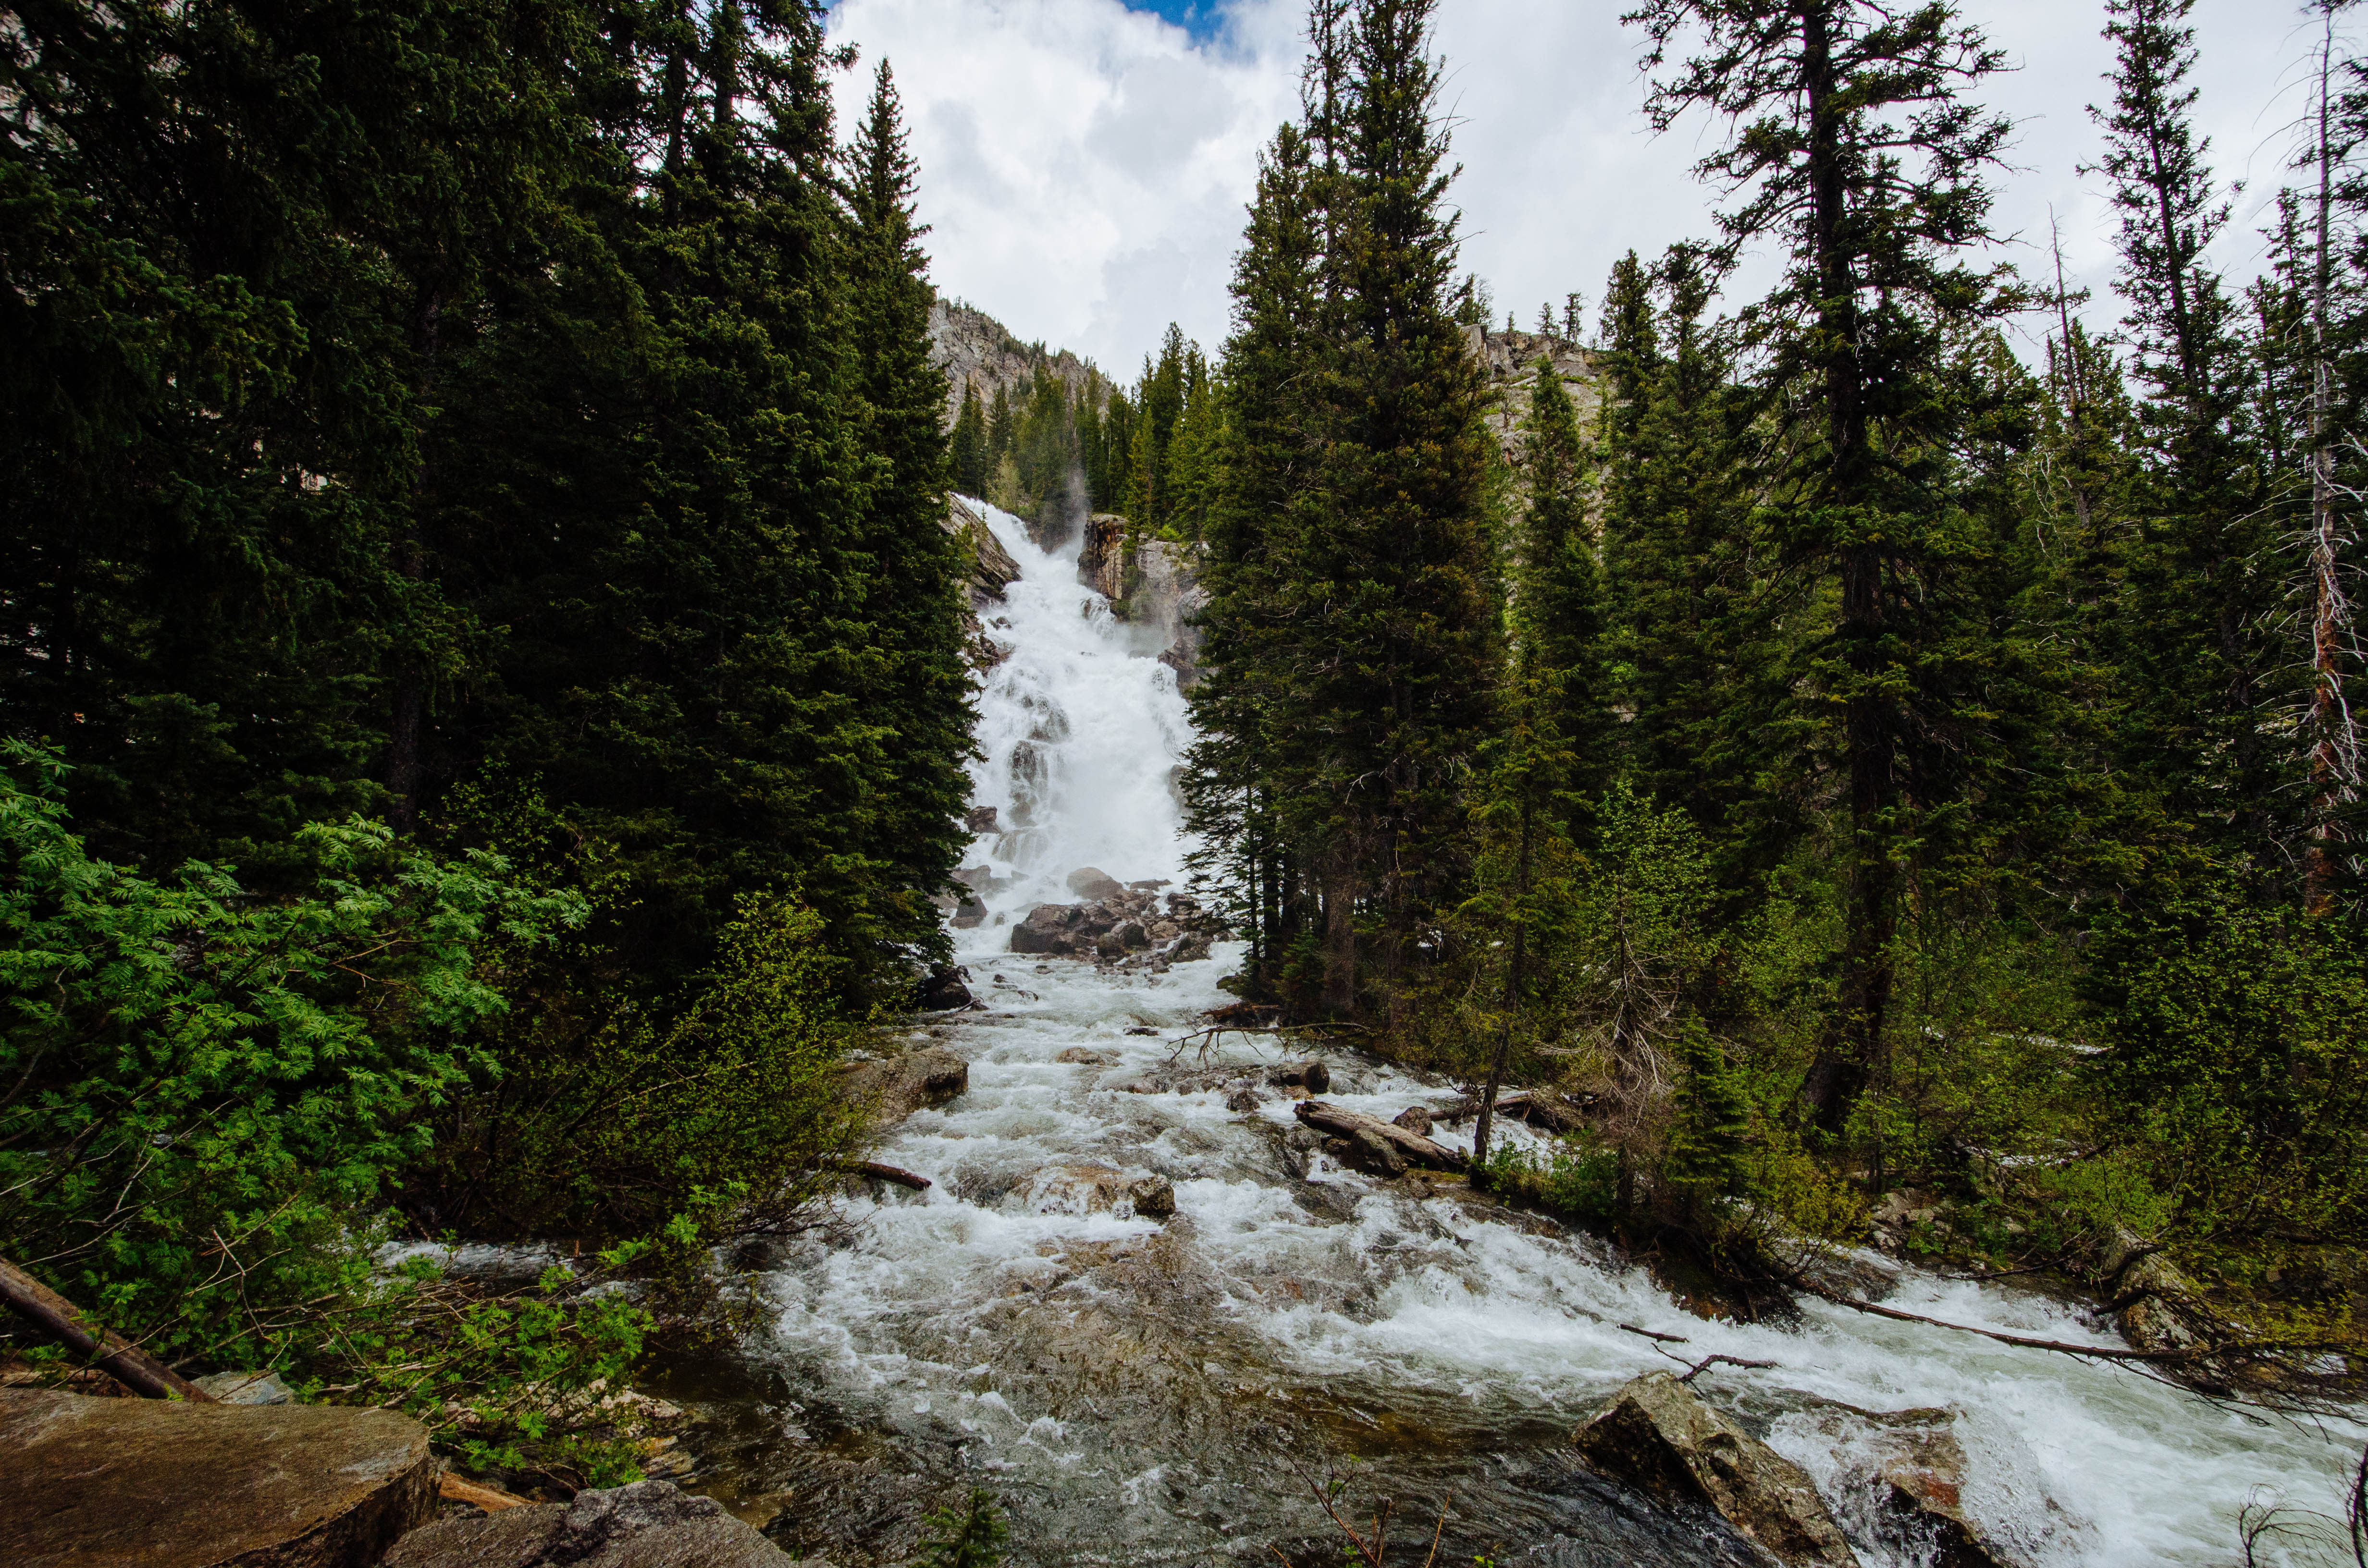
(1851, 754)
(484, 693)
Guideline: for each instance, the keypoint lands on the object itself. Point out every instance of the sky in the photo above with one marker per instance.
(1085, 164)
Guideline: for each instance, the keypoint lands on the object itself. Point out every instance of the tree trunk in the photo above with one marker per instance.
(1340, 939)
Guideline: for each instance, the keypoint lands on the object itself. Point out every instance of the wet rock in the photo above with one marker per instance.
(1313, 1076)
(1094, 884)
(651, 1524)
(1242, 1099)
(899, 1085)
(156, 1481)
(981, 820)
(943, 990)
(1415, 1118)
(1083, 1057)
(1048, 928)
(1655, 1433)
(1154, 1196)
(1900, 1477)
(1095, 1189)
(1131, 935)
(2151, 1298)
(1922, 1469)
(247, 1388)
(1191, 947)
(1142, 1029)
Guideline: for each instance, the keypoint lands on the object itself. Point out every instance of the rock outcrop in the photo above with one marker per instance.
(651, 1524)
(1128, 926)
(991, 571)
(168, 1485)
(1657, 1434)
(1153, 582)
(975, 350)
(899, 1085)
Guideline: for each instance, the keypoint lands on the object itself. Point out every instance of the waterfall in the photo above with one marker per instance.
(1136, 1390)
(1082, 728)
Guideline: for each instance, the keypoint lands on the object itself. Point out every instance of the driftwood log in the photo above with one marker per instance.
(879, 1171)
(1394, 1146)
(104, 1348)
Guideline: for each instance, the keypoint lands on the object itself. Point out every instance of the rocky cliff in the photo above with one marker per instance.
(1511, 360)
(992, 569)
(1154, 584)
(974, 349)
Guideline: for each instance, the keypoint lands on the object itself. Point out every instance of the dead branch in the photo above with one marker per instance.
(126, 1363)
(2184, 1354)
(889, 1173)
(1697, 1368)
(1649, 1333)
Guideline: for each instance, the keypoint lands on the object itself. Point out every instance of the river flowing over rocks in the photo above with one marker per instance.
(1121, 1308)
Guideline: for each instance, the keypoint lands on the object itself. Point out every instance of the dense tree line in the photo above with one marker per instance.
(482, 457)
(1836, 749)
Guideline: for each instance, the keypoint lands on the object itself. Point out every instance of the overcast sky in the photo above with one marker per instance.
(1085, 164)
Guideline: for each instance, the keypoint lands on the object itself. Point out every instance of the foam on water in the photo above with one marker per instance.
(942, 1320)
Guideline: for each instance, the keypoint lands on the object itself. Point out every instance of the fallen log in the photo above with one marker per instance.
(889, 1173)
(1409, 1147)
(493, 1500)
(109, 1351)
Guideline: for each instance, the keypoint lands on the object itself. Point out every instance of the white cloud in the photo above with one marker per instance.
(1086, 166)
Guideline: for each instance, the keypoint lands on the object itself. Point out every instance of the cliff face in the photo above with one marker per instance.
(1510, 360)
(1154, 585)
(992, 569)
(974, 349)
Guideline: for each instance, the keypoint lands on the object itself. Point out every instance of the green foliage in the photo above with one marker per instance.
(208, 1088)
(668, 1133)
(971, 1534)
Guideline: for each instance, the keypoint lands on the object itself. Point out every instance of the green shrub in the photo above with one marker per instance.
(207, 1091)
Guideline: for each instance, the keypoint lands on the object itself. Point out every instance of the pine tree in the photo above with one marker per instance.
(969, 444)
(1675, 518)
(1403, 698)
(1241, 766)
(913, 567)
(1559, 608)
(1872, 214)
(2194, 644)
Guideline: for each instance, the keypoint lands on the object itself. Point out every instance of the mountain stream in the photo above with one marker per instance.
(1141, 1391)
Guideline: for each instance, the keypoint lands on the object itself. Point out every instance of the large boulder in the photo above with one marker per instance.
(651, 1524)
(899, 1085)
(1094, 884)
(1050, 928)
(166, 1485)
(1657, 1434)
(942, 989)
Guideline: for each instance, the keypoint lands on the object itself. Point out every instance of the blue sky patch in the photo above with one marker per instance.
(1198, 17)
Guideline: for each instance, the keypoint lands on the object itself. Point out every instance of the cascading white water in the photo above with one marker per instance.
(1082, 727)
(1139, 1392)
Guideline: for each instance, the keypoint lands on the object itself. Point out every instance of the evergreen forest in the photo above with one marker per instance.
(1844, 750)
(487, 699)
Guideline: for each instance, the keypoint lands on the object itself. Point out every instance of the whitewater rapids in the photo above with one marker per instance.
(1143, 1392)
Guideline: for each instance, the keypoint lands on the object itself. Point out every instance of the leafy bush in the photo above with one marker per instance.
(660, 1136)
(207, 1091)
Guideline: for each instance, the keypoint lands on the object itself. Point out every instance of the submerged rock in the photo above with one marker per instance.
(1084, 1057)
(175, 1485)
(651, 1524)
(1655, 1433)
(1095, 1189)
